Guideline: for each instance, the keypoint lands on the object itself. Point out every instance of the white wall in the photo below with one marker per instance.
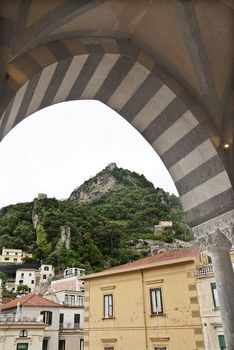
(69, 313)
(10, 337)
(210, 316)
(50, 331)
(28, 277)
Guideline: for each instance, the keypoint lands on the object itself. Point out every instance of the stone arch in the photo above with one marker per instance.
(129, 81)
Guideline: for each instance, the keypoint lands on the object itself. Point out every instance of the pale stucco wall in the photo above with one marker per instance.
(9, 337)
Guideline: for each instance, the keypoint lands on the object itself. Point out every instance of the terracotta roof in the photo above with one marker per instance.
(30, 300)
(154, 259)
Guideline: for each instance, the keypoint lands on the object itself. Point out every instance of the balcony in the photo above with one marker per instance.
(204, 270)
(12, 318)
(70, 326)
(73, 304)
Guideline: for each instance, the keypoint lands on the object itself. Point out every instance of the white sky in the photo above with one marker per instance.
(58, 148)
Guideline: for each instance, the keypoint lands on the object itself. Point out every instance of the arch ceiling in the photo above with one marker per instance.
(156, 63)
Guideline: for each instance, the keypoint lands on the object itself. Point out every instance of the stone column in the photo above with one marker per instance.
(217, 235)
(219, 246)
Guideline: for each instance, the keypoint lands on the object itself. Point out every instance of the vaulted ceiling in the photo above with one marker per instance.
(187, 44)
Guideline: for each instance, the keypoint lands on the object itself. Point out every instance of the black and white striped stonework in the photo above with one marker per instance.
(130, 82)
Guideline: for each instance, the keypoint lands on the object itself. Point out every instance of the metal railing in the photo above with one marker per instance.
(204, 270)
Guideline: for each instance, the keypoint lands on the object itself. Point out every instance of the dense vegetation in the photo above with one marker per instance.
(100, 229)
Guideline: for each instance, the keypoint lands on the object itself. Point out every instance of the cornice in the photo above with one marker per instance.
(224, 223)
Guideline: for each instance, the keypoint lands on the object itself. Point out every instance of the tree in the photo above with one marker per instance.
(42, 241)
(23, 289)
(3, 278)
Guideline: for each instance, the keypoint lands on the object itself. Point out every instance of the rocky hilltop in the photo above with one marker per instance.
(94, 188)
(110, 219)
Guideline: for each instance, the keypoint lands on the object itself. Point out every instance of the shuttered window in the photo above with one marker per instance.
(156, 301)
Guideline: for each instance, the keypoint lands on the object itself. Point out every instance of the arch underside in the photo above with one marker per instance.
(129, 81)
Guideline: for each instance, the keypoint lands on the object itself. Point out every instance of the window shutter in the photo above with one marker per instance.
(222, 344)
(49, 317)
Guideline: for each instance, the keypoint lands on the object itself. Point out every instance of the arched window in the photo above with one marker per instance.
(23, 333)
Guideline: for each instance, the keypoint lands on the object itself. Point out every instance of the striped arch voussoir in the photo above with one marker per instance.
(129, 81)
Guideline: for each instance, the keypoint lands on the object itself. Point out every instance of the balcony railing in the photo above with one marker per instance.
(69, 326)
(11, 318)
(73, 304)
(204, 270)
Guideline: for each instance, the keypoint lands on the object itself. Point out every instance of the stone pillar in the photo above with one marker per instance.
(217, 235)
(219, 246)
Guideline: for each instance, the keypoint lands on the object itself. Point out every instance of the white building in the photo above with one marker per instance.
(46, 272)
(70, 289)
(209, 305)
(62, 324)
(36, 280)
(73, 271)
(21, 335)
(69, 292)
(26, 277)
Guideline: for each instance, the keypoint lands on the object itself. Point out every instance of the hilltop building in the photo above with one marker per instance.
(13, 256)
(36, 279)
(162, 225)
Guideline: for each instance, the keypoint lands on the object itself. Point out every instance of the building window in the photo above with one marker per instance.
(32, 281)
(44, 277)
(61, 344)
(66, 299)
(15, 259)
(69, 299)
(214, 294)
(21, 281)
(23, 333)
(77, 321)
(30, 274)
(80, 300)
(46, 268)
(160, 348)
(61, 319)
(222, 344)
(45, 344)
(72, 299)
(156, 301)
(6, 259)
(47, 317)
(81, 344)
(108, 306)
(22, 274)
(22, 346)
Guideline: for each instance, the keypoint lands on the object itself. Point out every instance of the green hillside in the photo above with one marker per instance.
(104, 214)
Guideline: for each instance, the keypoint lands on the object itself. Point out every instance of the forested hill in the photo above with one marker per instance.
(94, 227)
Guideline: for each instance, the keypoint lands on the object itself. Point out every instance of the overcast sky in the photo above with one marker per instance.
(58, 148)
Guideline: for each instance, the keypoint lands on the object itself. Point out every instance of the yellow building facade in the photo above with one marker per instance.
(148, 304)
(14, 256)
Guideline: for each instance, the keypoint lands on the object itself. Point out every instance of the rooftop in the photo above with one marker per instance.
(30, 300)
(174, 256)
